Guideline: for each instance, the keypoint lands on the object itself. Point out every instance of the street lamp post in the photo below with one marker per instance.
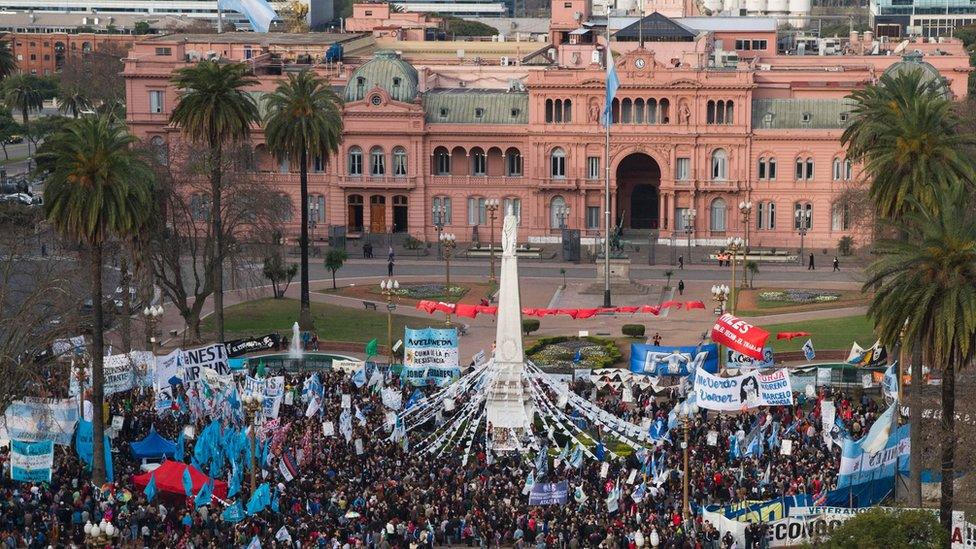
(689, 218)
(802, 225)
(685, 507)
(101, 534)
(254, 406)
(389, 289)
(720, 293)
(562, 213)
(153, 314)
(439, 215)
(745, 208)
(449, 242)
(491, 206)
(733, 244)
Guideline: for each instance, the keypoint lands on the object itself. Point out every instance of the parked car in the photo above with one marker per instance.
(22, 198)
(15, 139)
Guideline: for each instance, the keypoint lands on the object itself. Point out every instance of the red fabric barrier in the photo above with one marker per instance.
(627, 309)
(672, 305)
(694, 305)
(465, 310)
(790, 335)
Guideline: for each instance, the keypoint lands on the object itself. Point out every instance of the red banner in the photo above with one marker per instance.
(739, 335)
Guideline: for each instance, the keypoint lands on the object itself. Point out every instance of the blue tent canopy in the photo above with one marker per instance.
(153, 446)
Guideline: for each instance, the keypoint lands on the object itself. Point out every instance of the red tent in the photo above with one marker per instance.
(169, 480)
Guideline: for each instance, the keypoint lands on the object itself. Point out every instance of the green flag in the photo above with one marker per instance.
(371, 348)
(260, 371)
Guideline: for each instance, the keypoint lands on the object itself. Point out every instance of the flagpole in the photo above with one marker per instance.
(606, 187)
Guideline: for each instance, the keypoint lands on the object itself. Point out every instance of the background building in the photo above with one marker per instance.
(709, 113)
(928, 18)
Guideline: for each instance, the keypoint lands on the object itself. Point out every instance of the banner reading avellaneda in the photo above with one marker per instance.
(751, 390)
(430, 354)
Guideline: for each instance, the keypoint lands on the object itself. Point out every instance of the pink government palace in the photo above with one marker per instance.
(711, 112)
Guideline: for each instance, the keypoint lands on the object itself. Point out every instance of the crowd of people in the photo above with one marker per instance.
(386, 494)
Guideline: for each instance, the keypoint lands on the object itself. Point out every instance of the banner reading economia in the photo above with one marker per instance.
(739, 335)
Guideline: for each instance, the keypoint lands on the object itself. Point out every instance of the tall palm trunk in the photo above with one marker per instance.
(948, 442)
(126, 328)
(218, 230)
(98, 374)
(24, 113)
(915, 430)
(305, 316)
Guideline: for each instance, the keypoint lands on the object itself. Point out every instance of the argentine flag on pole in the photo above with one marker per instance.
(612, 84)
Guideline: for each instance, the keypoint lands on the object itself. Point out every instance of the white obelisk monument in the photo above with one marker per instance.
(509, 407)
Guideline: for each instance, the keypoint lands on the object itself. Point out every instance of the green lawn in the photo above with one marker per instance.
(332, 322)
(834, 333)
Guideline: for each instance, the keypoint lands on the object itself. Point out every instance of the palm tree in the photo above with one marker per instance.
(926, 286)
(906, 134)
(8, 64)
(910, 142)
(97, 187)
(304, 120)
(72, 100)
(214, 110)
(21, 93)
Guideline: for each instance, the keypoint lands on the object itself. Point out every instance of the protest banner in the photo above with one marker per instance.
(35, 419)
(274, 391)
(121, 373)
(167, 375)
(735, 359)
(430, 355)
(963, 534)
(667, 360)
(858, 466)
(549, 493)
(239, 347)
(749, 390)
(31, 461)
(195, 360)
(349, 367)
(740, 336)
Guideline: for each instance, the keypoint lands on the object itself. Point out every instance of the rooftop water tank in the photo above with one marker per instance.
(800, 10)
(777, 7)
(755, 7)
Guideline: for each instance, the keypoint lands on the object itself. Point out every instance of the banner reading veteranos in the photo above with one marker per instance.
(658, 360)
(751, 390)
(31, 461)
(430, 353)
(549, 493)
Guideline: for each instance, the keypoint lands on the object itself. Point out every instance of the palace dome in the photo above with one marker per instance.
(387, 71)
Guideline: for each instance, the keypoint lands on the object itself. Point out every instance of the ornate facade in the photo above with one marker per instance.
(708, 114)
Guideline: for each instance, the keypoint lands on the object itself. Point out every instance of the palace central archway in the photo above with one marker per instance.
(638, 192)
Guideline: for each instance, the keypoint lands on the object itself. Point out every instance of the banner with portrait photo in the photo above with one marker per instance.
(667, 360)
(735, 359)
(750, 390)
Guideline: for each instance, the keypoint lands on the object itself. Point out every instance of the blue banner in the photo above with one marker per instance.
(858, 467)
(84, 446)
(430, 356)
(663, 360)
(549, 493)
(31, 461)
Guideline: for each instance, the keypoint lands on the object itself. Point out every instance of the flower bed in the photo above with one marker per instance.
(429, 291)
(560, 352)
(790, 297)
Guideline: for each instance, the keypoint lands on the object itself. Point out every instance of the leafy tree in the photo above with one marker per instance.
(333, 262)
(304, 121)
(669, 273)
(8, 128)
(23, 92)
(97, 187)
(910, 528)
(462, 27)
(279, 273)
(215, 110)
(8, 63)
(142, 27)
(72, 100)
(925, 293)
(753, 268)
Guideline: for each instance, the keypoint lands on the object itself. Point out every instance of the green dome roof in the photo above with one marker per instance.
(387, 71)
(913, 62)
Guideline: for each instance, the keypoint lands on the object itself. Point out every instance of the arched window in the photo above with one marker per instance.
(400, 162)
(557, 211)
(848, 170)
(316, 209)
(802, 215)
(441, 210)
(199, 207)
(729, 112)
(395, 91)
(284, 165)
(766, 218)
(318, 165)
(557, 111)
(477, 215)
(771, 218)
(479, 161)
(710, 112)
(160, 150)
(652, 111)
(639, 116)
(360, 87)
(720, 112)
(442, 161)
(568, 110)
(720, 165)
(771, 168)
(513, 164)
(558, 163)
(836, 170)
(377, 162)
(760, 215)
(804, 169)
(615, 111)
(549, 108)
(515, 206)
(717, 221)
(762, 168)
(355, 161)
(841, 217)
(626, 111)
(665, 116)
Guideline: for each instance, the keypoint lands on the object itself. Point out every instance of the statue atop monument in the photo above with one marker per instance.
(509, 235)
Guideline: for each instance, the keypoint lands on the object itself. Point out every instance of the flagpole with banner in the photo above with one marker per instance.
(612, 83)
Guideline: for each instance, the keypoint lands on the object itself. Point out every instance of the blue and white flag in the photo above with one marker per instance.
(233, 513)
(774, 441)
(187, 482)
(31, 461)
(734, 451)
(359, 378)
(658, 430)
(579, 495)
(890, 381)
(234, 483)
(150, 489)
(311, 387)
(85, 447)
(178, 455)
(640, 493)
(204, 495)
(600, 451)
(529, 483)
(414, 399)
(808, 351)
(613, 500)
(255, 543)
(877, 436)
(576, 460)
(613, 82)
(360, 416)
(542, 462)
